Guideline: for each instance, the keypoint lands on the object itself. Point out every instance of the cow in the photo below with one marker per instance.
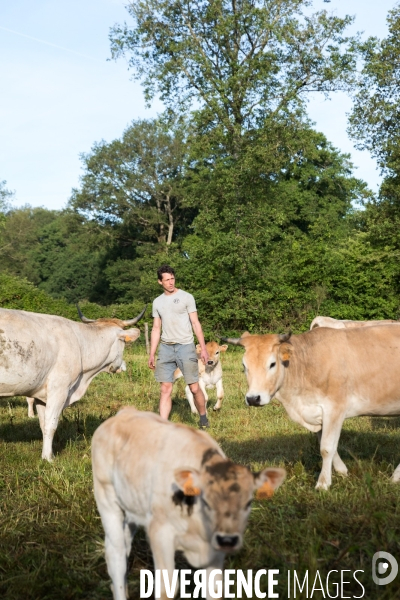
(53, 360)
(176, 482)
(31, 404)
(323, 377)
(31, 401)
(345, 324)
(210, 375)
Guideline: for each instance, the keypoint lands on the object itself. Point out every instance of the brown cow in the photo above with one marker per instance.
(177, 483)
(325, 376)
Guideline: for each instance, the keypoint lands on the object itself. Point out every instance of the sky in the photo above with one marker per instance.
(60, 94)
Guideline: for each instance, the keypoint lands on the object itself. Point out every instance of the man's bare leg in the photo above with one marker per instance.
(165, 400)
(200, 403)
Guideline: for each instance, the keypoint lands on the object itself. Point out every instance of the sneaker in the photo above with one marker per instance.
(204, 423)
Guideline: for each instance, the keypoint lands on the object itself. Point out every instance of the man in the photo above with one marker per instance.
(175, 311)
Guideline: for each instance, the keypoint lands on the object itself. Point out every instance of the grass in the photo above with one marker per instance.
(51, 539)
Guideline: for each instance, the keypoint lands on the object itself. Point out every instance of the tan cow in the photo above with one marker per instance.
(177, 483)
(337, 324)
(325, 376)
(210, 375)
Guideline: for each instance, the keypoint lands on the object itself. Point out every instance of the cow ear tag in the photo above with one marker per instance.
(265, 491)
(189, 489)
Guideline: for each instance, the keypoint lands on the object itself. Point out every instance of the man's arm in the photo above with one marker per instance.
(154, 339)
(194, 319)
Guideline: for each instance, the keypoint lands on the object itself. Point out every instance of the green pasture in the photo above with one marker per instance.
(51, 539)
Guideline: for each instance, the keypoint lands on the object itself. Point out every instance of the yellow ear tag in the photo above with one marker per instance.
(265, 491)
(128, 338)
(189, 489)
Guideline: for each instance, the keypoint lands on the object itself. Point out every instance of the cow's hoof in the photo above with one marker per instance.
(49, 459)
(322, 487)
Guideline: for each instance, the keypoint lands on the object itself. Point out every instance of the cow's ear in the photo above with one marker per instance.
(285, 352)
(188, 480)
(245, 334)
(223, 348)
(129, 335)
(267, 481)
(198, 350)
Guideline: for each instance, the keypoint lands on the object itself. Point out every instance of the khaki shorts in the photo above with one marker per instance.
(172, 356)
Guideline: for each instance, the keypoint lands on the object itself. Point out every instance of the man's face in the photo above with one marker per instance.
(167, 282)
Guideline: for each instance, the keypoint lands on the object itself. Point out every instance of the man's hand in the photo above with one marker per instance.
(204, 356)
(152, 362)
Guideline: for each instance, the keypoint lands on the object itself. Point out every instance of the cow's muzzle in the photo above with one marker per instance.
(253, 400)
(227, 543)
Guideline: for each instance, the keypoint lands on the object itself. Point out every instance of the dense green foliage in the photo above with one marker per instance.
(261, 216)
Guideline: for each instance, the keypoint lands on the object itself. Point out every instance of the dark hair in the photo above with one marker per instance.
(164, 269)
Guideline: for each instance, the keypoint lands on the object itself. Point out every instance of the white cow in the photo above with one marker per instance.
(31, 401)
(345, 324)
(53, 360)
(210, 375)
(325, 376)
(176, 482)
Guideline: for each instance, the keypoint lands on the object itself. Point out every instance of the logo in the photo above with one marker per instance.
(380, 566)
(176, 301)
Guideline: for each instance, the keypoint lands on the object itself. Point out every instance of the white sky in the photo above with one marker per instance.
(59, 94)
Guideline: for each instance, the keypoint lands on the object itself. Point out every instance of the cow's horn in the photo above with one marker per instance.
(285, 337)
(82, 317)
(236, 341)
(136, 319)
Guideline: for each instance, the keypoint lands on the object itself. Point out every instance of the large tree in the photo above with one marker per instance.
(132, 185)
(237, 62)
(375, 119)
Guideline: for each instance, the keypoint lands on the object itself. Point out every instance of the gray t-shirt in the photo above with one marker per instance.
(173, 311)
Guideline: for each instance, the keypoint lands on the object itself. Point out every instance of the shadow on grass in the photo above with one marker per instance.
(304, 448)
(72, 427)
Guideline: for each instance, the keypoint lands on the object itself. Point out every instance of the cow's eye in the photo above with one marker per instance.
(271, 366)
(248, 505)
(205, 503)
(216, 353)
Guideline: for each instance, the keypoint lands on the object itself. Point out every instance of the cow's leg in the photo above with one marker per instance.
(40, 409)
(331, 428)
(116, 551)
(217, 563)
(396, 475)
(129, 532)
(31, 413)
(161, 538)
(190, 399)
(52, 413)
(220, 394)
(337, 462)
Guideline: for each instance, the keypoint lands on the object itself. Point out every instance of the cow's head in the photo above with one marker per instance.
(214, 352)
(225, 492)
(117, 337)
(264, 362)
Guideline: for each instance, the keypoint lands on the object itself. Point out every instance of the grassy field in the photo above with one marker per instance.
(51, 539)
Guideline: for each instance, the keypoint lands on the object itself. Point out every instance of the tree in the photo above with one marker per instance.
(132, 185)
(237, 63)
(5, 196)
(374, 122)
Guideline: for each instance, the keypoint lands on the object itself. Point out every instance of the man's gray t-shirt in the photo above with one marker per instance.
(173, 311)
